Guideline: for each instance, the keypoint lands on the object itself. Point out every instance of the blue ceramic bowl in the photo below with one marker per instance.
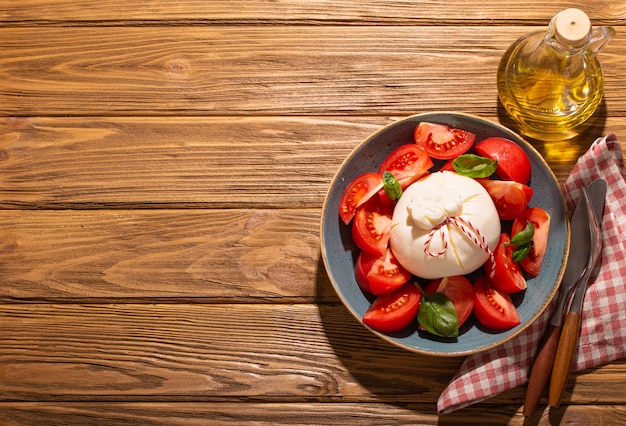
(339, 252)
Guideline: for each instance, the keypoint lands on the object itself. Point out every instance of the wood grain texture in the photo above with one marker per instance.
(198, 162)
(174, 162)
(177, 364)
(187, 352)
(176, 255)
(262, 352)
(292, 414)
(162, 169)
(252, 70)
(348, 12)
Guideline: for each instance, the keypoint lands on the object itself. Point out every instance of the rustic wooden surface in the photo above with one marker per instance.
(162, 171)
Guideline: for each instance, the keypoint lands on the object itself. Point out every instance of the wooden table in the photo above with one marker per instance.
(162, 170)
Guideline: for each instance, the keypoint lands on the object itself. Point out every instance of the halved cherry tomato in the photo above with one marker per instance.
(507, 276)
(394, 311)
(541, 222)
(380, 274)
(371, 226)
(510, 198)
(443, 142)
(358, 192)
(513, 163)
(492, 308)
(460, 292)
(407, 163)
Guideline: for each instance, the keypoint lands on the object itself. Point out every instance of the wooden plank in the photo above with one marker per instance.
(297, 70)
(343, 11)
(160, 255)
(294, 414)
(205, 353)
(155, 161)
(191, 162)
(202, 353)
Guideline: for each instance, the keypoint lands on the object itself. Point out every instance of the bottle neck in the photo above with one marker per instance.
(565, 49)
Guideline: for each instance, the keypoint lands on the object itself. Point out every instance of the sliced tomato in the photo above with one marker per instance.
(443, 142)
(510, 198)
(380, 274)
(371, 226)
(507, 276)
(513, 163)
(393, 312)
(540, 220)
(362, 267)
(460, 292)
(493, 308)
(407, 163)
(358, 192)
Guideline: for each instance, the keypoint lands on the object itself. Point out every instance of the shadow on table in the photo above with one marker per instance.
(384, 373)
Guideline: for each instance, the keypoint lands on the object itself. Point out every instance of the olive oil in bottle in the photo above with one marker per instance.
(551, 82)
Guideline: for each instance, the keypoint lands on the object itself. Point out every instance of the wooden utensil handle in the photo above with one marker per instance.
(563, 358)
(541, 369)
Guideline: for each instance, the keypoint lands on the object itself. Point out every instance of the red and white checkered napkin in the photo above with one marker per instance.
(603, 337)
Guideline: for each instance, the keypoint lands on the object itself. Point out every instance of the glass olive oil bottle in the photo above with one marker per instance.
(551, 82)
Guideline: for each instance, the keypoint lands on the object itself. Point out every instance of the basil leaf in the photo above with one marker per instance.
(392, 186)
(524, 236)
(474, 166)
(438, 316)
(521, 252)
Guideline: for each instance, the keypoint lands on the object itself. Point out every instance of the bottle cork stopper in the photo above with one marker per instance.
(572, 26)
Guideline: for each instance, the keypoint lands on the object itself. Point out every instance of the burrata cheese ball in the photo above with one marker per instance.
(443, 225)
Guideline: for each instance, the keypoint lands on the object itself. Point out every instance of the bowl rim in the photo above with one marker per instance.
(425, 116)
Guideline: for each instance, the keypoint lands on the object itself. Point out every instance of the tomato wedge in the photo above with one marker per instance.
(510, 198)
(358, 192)
(507, 276)
(460, 292)
(393, 312)
(493, 308)
(407, 163)
(443, 142)
(371, 226)
(379, 274)
(513, 163)
(362, 267)
(540, 220)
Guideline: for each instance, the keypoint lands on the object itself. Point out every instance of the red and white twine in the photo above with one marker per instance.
(466, 227)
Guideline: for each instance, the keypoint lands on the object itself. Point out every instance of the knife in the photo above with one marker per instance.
(568, 342)
(544, 359)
